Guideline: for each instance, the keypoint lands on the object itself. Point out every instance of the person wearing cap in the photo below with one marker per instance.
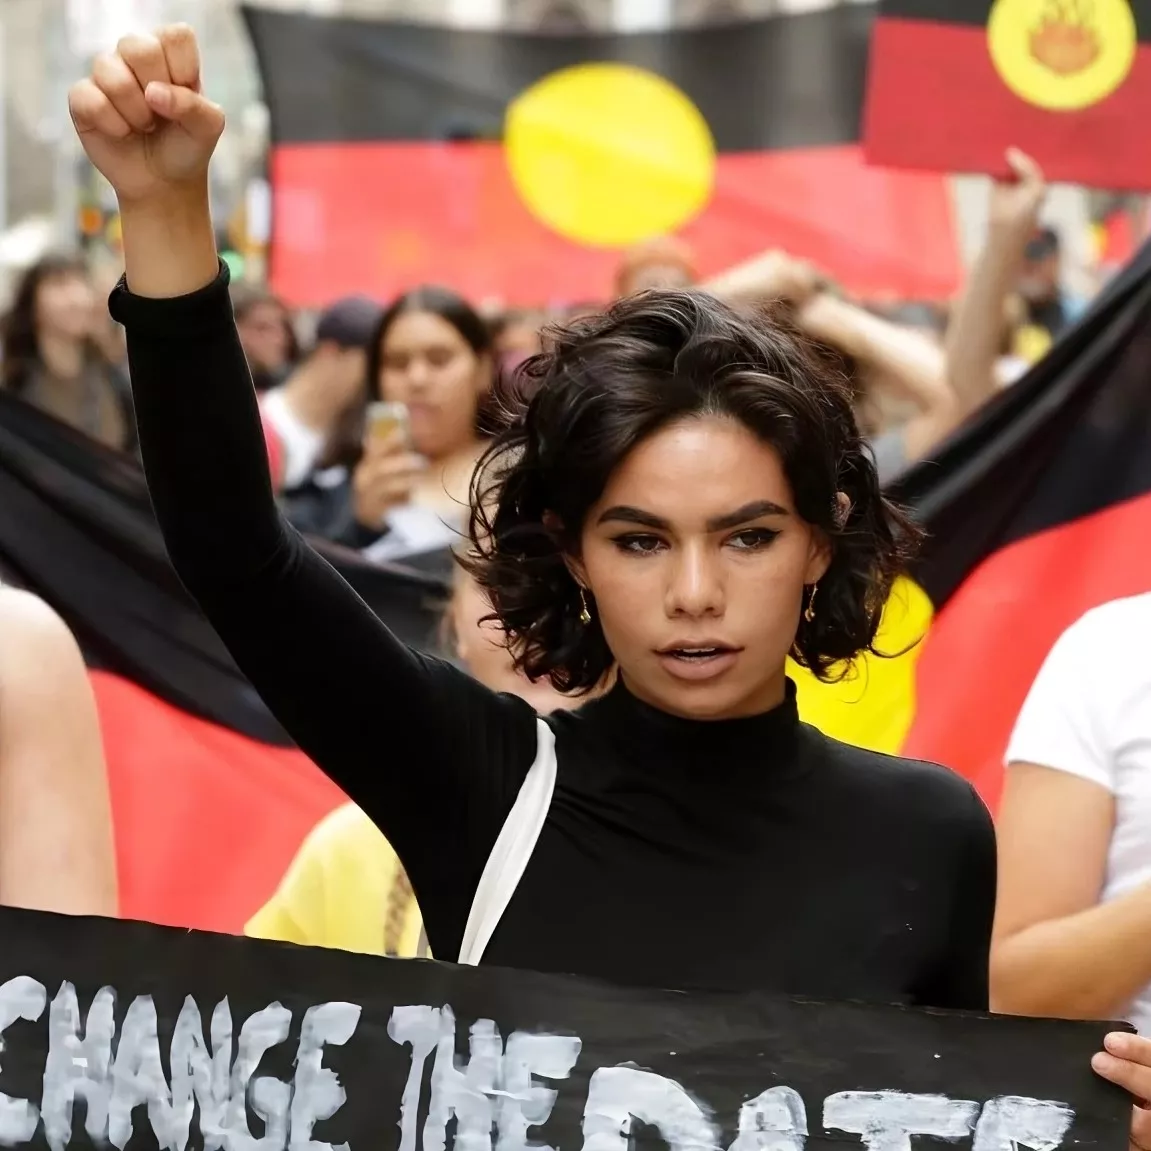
(302, 413)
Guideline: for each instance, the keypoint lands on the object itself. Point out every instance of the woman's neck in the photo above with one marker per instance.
(740, 747)
(62, 356)
(448, 478)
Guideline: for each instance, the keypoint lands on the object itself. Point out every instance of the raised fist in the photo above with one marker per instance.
(142, 118)
(1016, 201)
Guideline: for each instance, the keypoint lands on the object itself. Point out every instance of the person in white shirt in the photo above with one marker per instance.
(305, 410)
(1073, 924)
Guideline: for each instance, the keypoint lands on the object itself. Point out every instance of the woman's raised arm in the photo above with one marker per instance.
(432, 757)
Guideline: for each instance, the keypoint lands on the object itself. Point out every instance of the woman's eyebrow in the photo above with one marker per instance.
(622, 513)
(746, 514)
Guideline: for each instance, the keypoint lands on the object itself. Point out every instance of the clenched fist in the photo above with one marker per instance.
(142, 118)
(1015, 202)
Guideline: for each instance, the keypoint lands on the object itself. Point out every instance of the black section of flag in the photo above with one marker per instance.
(76, 527)
(1071, 438)
(784, 82)
(978, 12)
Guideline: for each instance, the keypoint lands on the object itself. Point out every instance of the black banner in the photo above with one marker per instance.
(136, 1036)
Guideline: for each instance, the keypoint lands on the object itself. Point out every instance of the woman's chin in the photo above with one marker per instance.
(708, 699)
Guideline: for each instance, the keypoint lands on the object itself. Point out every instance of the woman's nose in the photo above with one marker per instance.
(695, 584)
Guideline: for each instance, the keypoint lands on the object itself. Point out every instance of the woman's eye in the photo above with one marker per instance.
(752, 539)
(638, 545)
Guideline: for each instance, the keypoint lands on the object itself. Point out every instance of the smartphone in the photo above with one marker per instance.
(385, 419)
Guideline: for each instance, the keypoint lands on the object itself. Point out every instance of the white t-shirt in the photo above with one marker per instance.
(1089, 713)
(302, 445)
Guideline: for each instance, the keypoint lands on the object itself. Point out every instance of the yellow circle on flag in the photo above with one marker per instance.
(608, 154)
(873, 705)
(1062, 55)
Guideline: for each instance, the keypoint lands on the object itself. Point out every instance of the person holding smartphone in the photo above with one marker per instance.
(685, 501)
(394, 478)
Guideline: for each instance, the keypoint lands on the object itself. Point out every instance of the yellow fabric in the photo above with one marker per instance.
(874, 704)
(336, 891)
(1031, 343)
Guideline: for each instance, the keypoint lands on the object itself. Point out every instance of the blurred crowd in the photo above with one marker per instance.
(917, 369)
(375, 413)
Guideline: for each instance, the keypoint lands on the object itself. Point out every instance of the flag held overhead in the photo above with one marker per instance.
(953, 83)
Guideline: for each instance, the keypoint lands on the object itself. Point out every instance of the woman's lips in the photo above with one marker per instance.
(698, 663)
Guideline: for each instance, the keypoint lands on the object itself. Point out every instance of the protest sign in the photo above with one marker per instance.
(140, 1036)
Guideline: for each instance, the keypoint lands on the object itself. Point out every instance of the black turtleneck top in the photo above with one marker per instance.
(738, 854)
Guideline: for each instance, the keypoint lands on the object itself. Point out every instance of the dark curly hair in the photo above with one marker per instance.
(608, 382)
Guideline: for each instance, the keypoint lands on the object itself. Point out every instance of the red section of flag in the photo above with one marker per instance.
(986, 646)
(382, 217)
(206, 820)
(1118, 241)
(936, 102)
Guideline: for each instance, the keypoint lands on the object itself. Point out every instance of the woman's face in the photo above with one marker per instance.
(66, 306)
(695, 547)
(428, 366)
(265, 336)
(480, 648)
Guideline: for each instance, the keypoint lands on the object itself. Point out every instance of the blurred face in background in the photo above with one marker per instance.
(518, 340)
(265, 336)
(427, 365)
(480, 647)
(66, 306)
(343, 370)
(649, 276)
(1039, 279)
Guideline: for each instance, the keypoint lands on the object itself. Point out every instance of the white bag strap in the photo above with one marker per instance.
(513, 848)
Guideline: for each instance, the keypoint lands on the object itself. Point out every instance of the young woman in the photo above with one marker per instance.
(685, 501)
(401, 491)
(56, 849)
(52, 358)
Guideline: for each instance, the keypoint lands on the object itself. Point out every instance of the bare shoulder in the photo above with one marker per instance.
(32, 634)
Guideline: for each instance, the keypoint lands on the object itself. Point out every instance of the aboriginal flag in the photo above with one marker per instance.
(520, 164)
(954, 83)
(1037, 511)
(210, 800)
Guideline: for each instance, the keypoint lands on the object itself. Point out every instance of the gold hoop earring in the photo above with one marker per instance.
(584, 613)
(809, 611)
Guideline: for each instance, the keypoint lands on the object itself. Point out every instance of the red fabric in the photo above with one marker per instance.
(382, 217)
(936, 102)
(986, 646)
(275, 452)
(206, 821)
(1119, 240)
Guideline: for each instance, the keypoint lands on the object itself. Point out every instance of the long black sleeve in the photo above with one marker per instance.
(431, 756)
(964, 974)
